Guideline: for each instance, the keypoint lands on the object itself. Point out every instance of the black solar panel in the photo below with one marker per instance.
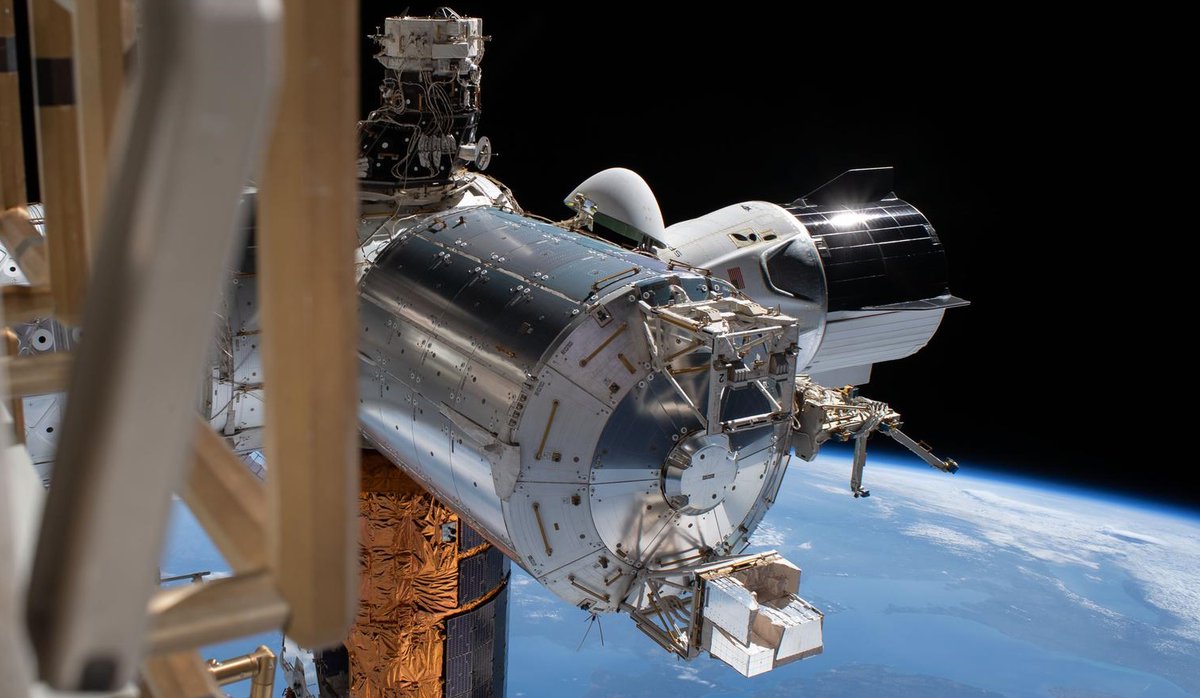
(480, 573)
(468, 537)
(500, 654)
(476, 650)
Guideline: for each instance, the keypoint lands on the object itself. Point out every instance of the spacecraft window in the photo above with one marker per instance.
(792, 268)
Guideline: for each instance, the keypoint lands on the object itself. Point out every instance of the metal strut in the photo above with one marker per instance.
(743, 345)
(823, 413)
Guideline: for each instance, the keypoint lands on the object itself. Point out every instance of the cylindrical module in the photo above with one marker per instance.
(598, 414)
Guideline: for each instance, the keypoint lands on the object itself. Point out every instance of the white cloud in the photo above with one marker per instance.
(947, 537)
(1160, 551)
(768, 535)
(688, 672)
(1072, 596)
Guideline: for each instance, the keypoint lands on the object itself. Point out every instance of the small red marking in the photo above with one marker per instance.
(735, 277)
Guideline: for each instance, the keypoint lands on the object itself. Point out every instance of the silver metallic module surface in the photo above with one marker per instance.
(609, 400)
(609, 420)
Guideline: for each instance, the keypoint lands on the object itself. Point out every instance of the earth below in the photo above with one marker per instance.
(935, 585)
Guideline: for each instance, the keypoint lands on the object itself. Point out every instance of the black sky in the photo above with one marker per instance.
(1032, 143)
(1014, 134)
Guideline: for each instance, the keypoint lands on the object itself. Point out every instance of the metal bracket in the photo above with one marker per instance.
(747, 346)
(823, 413)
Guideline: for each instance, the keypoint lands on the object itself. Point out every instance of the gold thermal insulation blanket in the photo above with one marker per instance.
(408, 586)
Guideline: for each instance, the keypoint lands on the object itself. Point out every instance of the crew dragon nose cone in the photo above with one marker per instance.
(620, 200)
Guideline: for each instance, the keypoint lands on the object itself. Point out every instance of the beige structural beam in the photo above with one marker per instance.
(200, 614)
(179, 675)
(37, 375)
(25, 303)
(190, 139)
(58, 154)
(20, 502)
(100, 71)
(16, 404)
(307, 215)
(12, 154)
(228, 501)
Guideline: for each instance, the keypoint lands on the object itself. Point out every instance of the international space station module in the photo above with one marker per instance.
(617, 414)
(610, 401)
